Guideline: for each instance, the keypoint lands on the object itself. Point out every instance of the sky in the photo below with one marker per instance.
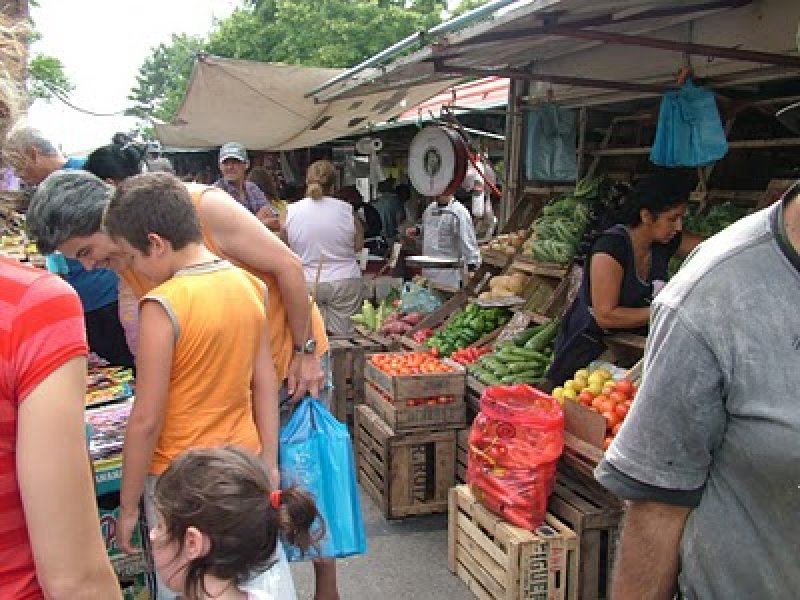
(102, 44)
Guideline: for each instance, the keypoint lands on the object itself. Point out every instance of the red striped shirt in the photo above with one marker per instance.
(41, 327)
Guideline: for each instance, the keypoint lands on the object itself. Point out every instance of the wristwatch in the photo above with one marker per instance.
(308, 347)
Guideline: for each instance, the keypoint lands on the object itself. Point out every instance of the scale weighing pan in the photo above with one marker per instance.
(434, 262)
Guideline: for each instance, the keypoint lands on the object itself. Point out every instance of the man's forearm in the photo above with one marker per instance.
(648, 559)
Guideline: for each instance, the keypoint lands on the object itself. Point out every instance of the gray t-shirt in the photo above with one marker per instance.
(719, 412)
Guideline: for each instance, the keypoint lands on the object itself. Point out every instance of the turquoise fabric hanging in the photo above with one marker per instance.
(689, 132)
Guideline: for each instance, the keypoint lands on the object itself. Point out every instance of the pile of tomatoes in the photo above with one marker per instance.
(469, 355)
(410, 363)
(613, 403)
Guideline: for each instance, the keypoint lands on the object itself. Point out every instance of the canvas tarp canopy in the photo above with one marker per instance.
(263, 106)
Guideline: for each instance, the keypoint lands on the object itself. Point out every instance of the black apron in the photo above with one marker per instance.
(580, 340)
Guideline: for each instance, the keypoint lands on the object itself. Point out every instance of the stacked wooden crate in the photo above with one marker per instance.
(498, 561)
(405, 436)
(348, 356)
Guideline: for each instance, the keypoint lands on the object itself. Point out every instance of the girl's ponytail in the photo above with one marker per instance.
(299, 520)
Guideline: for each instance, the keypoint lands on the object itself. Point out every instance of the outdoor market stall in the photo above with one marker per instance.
(575, 56)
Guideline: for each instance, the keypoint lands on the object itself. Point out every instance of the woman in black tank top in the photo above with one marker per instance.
(625, 269)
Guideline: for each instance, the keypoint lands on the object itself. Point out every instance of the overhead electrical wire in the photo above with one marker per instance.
(59, 95)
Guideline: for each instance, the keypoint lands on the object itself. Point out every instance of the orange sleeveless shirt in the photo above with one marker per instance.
(218, 315)
(277, 318)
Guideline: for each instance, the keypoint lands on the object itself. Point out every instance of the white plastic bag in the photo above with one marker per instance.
(274, 583)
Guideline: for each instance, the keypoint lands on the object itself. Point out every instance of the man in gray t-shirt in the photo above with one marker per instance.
(710, 454)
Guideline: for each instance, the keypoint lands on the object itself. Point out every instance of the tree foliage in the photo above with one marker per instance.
(162, 79)
(466, 5)
(46, 77)
(323, 33)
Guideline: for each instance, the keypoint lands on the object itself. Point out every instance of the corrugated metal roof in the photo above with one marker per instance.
(543, 39)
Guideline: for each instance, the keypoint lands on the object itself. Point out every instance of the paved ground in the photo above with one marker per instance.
(406, 559)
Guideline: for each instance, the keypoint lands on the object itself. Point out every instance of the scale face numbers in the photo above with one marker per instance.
(432, 162)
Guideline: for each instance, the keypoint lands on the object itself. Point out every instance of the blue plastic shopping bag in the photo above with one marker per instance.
(316, 454)
(689, 132)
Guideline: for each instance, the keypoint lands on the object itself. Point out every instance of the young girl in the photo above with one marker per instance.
(219, 524)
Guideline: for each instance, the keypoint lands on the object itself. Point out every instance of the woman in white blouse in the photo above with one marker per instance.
(323, 228)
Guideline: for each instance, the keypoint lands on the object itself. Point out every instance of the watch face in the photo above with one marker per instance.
(310, 346)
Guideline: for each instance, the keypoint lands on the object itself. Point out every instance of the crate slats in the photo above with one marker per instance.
(595, 515)
(348, 358)
(498, 561)
(425, 417)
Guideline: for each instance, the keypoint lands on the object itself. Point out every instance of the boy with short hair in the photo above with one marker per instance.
(205, 375)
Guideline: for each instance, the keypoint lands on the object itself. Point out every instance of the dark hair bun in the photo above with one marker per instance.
(120, 139)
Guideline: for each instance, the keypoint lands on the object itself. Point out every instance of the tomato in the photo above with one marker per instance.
(625, 387)
(616, 397)
(585, 398)
(611, 418)
(621, 410)
(615, 429)
(599, 402)
(506, 430)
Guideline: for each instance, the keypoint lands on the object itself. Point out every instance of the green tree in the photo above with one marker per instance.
(466, 5)
(162, 79)
(323, 33)
(46, 78)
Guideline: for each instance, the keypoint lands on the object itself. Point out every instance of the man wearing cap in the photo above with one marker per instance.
(233, 163)
(707, 457)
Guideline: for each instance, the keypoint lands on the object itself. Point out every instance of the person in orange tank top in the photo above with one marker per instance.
(76, 201)
(204, 311)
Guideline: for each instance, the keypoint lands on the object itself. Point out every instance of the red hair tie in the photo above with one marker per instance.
(275, 499)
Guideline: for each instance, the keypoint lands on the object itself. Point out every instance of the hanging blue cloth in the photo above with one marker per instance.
(316, 454)
(689, 132)
(551, 146)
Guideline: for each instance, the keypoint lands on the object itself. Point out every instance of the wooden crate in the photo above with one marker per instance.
(595, 515)
(404, 387)
(386, 342)
(425, 417)
(462, 453)
(406, 474)
(348, 357)
(499, 561)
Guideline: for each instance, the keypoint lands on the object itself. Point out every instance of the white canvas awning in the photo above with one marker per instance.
(263, 106)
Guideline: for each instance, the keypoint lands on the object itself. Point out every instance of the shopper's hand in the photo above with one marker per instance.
(126, 524)
(305, 376)
(412, 232)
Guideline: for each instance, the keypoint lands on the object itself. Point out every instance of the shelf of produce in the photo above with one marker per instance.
(626, 348)
(406, 474)
(528, 265)
(498, 561)
(498, 259)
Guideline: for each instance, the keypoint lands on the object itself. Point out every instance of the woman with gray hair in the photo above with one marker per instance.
(66, 214)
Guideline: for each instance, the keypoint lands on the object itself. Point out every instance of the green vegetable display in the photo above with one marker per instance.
(715, 220)
(467, 327)
(524, 359)
(558, 232)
